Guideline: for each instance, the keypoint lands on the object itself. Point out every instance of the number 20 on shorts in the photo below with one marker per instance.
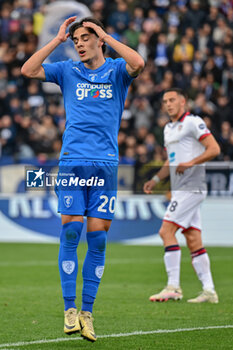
(107, 204)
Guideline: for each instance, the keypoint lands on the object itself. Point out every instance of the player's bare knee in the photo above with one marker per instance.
(188, 239)
(107, 226)
(65, 219)
(162, 233)
(193, 239)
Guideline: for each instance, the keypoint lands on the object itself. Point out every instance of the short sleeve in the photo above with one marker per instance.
(122, 72)
(54, 72)
(200, 129)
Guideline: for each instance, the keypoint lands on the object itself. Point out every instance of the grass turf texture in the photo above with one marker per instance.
(31, 305)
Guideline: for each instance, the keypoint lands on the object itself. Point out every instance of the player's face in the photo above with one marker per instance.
(86, 44)
(174, 104)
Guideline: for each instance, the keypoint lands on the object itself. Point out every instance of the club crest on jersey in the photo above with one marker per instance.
(180, 127)
(68, 200)
(68, 266)
(92, 76)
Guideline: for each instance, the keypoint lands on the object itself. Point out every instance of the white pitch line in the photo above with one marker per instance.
(159, 331)
(119, 335)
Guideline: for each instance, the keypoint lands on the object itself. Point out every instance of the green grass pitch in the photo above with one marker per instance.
(31, 305)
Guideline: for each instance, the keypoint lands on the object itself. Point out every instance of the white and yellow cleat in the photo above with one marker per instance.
(206, 296)
(168, 293)
(86, 325)
(71, 321)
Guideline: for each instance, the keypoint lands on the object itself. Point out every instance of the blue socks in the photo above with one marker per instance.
(93, 267)
(68, 261)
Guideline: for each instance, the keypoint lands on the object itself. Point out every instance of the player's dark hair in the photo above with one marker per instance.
(77, 25)
(178, 91)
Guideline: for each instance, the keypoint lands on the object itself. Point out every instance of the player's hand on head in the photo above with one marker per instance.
(99, 31)
(148, 186)
(62, 35)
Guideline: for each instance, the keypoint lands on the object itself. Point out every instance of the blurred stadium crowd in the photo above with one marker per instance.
(187, 44)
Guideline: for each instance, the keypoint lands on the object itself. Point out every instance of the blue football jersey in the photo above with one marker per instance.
(94, 101)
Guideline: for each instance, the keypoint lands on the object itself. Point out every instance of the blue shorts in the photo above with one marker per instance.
(87, 188)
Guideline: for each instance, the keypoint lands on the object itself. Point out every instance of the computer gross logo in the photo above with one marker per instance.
(85, 90)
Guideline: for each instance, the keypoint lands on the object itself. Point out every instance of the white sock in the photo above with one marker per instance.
(172, 264)
(201, 264)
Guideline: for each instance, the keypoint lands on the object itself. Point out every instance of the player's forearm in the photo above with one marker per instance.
(32, 66)
(134, 60)
(212, 150)
(207, 155)
(164, 172)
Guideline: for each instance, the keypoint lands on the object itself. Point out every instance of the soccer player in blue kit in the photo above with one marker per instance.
(94, 91)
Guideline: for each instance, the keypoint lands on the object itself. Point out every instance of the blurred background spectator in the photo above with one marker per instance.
(185, 43)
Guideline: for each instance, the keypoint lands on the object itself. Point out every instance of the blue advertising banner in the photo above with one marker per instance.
(135, 216)
(34, 218)
(28, 208)
(39, 214)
